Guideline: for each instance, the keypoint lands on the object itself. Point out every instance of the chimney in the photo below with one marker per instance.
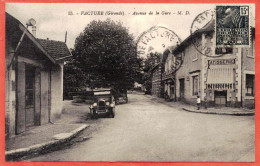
(31, 22)
(34, 31)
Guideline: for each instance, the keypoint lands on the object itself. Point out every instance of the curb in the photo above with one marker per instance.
(17, 153)
(221, 113)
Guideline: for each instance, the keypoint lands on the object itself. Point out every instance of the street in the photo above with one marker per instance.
(146, 130)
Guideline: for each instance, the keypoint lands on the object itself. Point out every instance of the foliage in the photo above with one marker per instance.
(74, 77)
(106, 54)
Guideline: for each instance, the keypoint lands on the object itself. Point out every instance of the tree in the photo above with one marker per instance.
(74, 77)
(106, 52)
(151, 60)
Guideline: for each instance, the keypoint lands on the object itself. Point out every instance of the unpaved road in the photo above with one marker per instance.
(145, 130)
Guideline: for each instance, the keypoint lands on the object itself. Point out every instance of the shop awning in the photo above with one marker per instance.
(220, 75)
(220, 78)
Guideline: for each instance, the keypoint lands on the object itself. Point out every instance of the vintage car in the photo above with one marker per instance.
(121, 96)
(103, 103)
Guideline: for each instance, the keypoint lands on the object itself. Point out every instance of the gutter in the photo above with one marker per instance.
(63, 58)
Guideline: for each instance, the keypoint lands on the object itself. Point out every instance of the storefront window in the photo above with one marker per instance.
(195, 88)
(250, 82)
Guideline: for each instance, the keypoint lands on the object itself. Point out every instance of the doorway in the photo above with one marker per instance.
(182, 88)
(220, 98)
(29, 96)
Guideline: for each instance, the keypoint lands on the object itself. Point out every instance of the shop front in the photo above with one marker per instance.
(220, 82)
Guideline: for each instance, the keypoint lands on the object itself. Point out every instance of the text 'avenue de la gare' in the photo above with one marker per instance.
(122, 13)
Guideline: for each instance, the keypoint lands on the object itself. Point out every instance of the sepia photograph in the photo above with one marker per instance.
(128, 82)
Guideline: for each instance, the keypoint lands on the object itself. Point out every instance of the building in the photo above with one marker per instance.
(156, 72)
(225, 77)
(168, 76)
(33, 78)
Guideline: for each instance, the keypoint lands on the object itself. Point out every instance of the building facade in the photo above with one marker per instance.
(156, 69)
(222, 77)
(33, 78)
(168, 76)
(157, 84)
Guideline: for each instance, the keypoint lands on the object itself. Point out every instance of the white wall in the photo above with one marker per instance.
(56, 91)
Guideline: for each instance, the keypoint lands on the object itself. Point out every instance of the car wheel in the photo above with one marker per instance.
(112, 114)
(93, 116)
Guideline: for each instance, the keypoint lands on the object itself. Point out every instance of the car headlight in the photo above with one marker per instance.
(95, 104)
(107, 103)
(112, 105)
(91, 107)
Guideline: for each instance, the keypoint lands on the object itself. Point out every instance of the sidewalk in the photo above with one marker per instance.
(41, 138)
(218, 110)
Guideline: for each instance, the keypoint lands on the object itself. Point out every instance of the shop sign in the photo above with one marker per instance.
(221, 62)
(220, 86)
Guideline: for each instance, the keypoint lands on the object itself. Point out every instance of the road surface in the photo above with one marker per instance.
(145, 130)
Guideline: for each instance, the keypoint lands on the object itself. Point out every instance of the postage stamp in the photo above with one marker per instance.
(232, 25)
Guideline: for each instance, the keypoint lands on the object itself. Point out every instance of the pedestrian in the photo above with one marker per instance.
(198, 102)
(166, 95)
(205, 102)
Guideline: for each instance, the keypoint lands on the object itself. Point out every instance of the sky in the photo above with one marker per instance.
(53, 20)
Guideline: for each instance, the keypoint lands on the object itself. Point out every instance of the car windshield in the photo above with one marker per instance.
(101, 97)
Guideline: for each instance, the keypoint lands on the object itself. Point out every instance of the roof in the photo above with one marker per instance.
(167, 52)
(15, 29)
(209, 27)
(53, 50)
(57, 49)
(155, 66)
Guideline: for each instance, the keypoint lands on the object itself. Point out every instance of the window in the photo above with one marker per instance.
(195, 85)
(250, 83)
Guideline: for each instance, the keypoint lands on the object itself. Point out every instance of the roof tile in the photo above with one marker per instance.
(56, 49)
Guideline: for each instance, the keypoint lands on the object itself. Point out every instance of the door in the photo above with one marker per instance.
(220, 98)
(29, 95)
(172, 91)
(182, 87)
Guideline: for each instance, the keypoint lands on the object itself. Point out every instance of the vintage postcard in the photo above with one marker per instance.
(130, 82)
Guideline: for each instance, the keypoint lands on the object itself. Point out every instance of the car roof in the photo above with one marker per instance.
(103, 93)
(101, 89)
